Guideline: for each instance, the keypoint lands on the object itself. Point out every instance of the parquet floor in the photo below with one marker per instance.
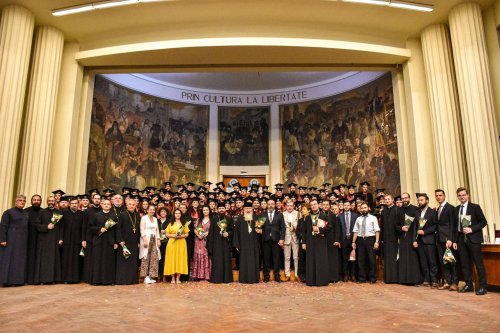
(285, 307)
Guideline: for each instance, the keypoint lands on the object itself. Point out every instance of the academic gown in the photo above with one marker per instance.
(14, 231)
(408, 263)
(88, 236)
(317, 262)
(48, 250)
(333, 251)
(71, 260)
(390, 235)
(301, 235)
(220, 251)
(126, 269)
(34, 217)
(163, 247)
(248, 244)
(103, 254)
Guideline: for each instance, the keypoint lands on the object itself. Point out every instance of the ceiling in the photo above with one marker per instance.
(244, 81)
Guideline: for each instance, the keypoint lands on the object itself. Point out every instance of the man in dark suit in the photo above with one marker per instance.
(347, 219)
(391, 216)
(426, 240)
(273, 236)
(445, 228)
(468, 241)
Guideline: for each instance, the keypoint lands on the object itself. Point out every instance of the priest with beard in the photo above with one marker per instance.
(219, 246)
(73, 220)
(50, 239)
(87, 236)
(390, 237)
(128, 236)
(247, 241)
(316, 246)
(408, 263)
(34, 217)
(13, 244)
(103, 247)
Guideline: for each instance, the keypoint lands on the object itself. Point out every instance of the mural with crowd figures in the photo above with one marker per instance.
(244, 136)
(346, 138)
(138, 140)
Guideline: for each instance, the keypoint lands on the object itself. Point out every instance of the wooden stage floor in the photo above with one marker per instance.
(285, 307)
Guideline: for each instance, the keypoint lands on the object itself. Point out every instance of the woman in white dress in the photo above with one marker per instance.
(149, 251)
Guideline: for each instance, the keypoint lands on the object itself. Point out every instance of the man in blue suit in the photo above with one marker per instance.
(347, 219)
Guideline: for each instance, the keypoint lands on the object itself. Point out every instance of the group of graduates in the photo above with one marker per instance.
(332, 234)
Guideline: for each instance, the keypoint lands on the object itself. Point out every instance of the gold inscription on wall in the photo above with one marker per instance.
(244, 100)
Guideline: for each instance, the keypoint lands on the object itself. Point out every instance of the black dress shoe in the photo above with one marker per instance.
(466, 289)
(266, 280)
(481, 291)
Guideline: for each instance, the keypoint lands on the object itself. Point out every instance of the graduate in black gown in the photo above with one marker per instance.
(316, 244)
(103, 247)
(34, 217)
(408, 263)
(93, 209)
(13, 244)
(390, 221)
(333, 242)
(71, 261)
(305, 209)
(247, 240)
(163, 221)
(48, 246)
(219, 247)
(128, 235)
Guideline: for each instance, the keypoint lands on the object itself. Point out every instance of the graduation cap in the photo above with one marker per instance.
(144, 199)
(312, 188)
(206, 182)
(195, 199)
(135, 191)
(341, 201)
(167, 183)
(181, 186)
(107, 191)
(60, 192)
(84, 197)
(190, 184)
(238, 184)
(177, 199)
(93, 191)
(292, 185)
(219, 184)
(254, 190)
(134, 197)
(326, 185)
(265, 188)
(379, 190)
(351, 187)
(397, 198)
(239, 198)
(66, 198)
(307, 196)
(248, 203)
(380, 196)
(221, 204)
(149, 188)
(126, 190)
(322, 190)
(365, 183)
(342, 185)
(155, 196)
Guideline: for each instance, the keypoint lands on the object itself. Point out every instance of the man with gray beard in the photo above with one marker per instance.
(247, 241)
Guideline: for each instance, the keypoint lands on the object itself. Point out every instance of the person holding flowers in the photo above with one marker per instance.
(201, 261)
(127, 236)
(176, 254)
(104, 245)
(163, 221)
(149, 246)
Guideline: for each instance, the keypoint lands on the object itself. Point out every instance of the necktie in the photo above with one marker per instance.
(439, 212)
(460, 218)
(271, 217)
(348, 224)
(363, 227)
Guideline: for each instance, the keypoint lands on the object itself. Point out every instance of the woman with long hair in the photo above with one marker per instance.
(176, 252)
(201, 261)
(163, 221)
(149, 246)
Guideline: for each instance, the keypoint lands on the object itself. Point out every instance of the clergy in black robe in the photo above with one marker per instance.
(71, 261)
(408, 263)
(247, 240)
(391, 216)
(48, 246)
(93, 209)
(103, 247)
(317, 262)
(13, 244)
(34, 217)
(128, 234)
(219, 247)
(333, 242)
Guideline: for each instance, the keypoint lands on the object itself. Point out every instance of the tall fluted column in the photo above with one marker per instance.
(444, 106)
(477, 110)
(40, 111)
(16, 34)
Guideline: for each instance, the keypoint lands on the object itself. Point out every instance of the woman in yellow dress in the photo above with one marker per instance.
(176, 253)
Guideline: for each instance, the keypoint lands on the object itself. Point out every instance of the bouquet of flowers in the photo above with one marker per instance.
(449, 258)
(109, 224)
(317, 222)
(260, 222)
(56, 217)
(421, 224)
(407, 222)
(82, 252)
(222, 226)
(200, 231)
(163, 238)
(465, 221)
(126, 252)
